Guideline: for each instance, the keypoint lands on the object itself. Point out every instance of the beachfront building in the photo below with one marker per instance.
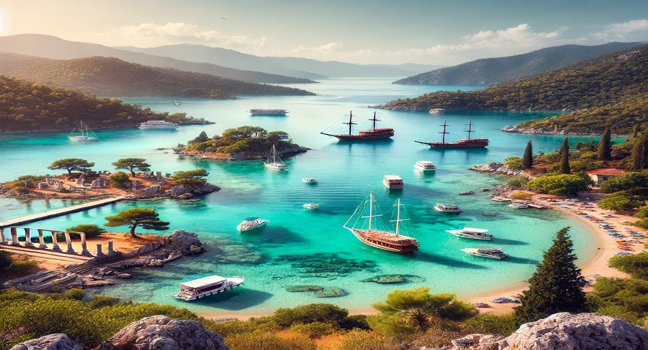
(599, 176)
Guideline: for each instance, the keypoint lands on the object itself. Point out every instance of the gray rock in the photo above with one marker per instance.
(49, 342)
(563, 330)
(184, 242)
(163, 333)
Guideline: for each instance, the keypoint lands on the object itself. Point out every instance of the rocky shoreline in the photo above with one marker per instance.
(284, 153)
(499, 168)
(186, 122)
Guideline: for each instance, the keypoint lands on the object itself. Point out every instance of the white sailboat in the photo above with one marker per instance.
(86, 134)
(374, 235)
(274, 162)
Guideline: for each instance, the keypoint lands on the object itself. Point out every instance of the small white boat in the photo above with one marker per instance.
(472, 233)
(311, 206)
(206, 286)
(447, 208)
(436, 110)
(393, 182)
(177, 103)
(310, 180)
(486, 252)
(274, 162)
(519, 205)
(251, 224)
(500, 199)
(268, 111)
(158, 125)
(85, 134)
(425, 166)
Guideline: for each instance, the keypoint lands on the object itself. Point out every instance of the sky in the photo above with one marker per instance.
(359, 31)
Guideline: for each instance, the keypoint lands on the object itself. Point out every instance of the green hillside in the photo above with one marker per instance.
(608, 91)
(106, 76)
(25, 106)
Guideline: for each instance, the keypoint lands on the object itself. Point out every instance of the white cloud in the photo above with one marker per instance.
(326, 49)
(152, 34)
(636, 29)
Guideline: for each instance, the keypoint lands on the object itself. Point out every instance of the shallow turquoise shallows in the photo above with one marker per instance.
(311, 247)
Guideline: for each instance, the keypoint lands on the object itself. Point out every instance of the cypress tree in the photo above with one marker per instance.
(605, 146)
(640, 152)
(564, 157)
(556, 286)
(527, 159)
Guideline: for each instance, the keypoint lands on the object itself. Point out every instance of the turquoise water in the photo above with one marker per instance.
(311, 247)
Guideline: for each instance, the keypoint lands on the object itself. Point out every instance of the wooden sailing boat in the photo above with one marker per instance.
(86, 135)
(364, 135)
(373, 235)
(274, 162)
(463, 143)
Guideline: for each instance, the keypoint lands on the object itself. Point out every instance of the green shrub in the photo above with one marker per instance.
(314, 330)
(634, 264)
(90, 230)
(492, 324)
(324, 313)
(622, 298)
(268, 341)
(514, 163)
(620, 201)
(362, 340)
(517, 181)
(120, 180)
(629, 181)
(560, 185)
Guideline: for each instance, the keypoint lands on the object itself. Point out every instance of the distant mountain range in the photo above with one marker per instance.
(52, 47)
(107, 76)
(292, 66)
(609, 91)
(491, 71)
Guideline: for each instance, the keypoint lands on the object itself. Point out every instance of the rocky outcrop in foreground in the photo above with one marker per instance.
(498, 168)
(163, 333)
(57, 341)
(562, 331)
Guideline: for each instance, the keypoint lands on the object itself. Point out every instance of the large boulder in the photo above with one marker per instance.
(184, 242)
(163, 333)
(563, 331)
(49, 342)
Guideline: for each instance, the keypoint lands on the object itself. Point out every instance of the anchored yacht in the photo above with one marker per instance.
(447, 208)
(206, 286)
(251, 224)
(486, 252)
(158, 125)
(472, 233)
(425, 166)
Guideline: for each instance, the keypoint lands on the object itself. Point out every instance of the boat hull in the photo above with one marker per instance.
(364, 237)
(479, 238)
(366, 135)
(474, 143)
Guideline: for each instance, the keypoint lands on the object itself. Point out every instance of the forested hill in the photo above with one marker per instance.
(107, 76)
(491, 71)
(25, 106)
(607, 91)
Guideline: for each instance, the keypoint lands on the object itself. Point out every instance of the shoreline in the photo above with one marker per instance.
(593, 267)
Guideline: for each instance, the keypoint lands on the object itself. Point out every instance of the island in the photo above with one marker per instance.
(242, 143)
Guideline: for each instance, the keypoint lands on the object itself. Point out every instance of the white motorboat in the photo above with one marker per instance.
(519, 205)
(447, 208)
(500, 199)
(436, 110)
(311, 206)
(472, 233)
(425, 166)
(393, 182)
(251, 224)
(486, 252)
(310, 180)
(274, 162)
(85, 134)
(158, 125)
(206, 286)
(268, 111)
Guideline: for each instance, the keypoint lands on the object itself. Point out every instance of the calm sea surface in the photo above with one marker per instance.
(310, 247)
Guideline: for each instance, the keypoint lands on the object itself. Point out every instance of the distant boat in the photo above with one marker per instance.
(472, 233)
(177, 103)
(364, 135)
(158, 125)
(393, 182)
(252, 224)
(486, 252)
(436, 110)
(311, 206)
(268, 111)
(463, 143)
(466, 193)
(373, 235)
(310, 180)
(425, 166)
(274, 162)
(447, 208)
(85, 134)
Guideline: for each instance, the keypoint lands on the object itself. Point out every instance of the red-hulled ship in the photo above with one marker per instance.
(364, 135)
(463, 143)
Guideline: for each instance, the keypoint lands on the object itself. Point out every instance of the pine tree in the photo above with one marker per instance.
(564, 157)
(527, 159)
(605, 146)
(556, 286)
(640, 152)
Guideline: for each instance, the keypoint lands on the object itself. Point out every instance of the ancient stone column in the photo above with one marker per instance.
(55, 246)
(84, 245)
(28, 242)
(41, 240)
(111, 250)
(14, 235)
(68, 240)
(100, 253)
(2, 236)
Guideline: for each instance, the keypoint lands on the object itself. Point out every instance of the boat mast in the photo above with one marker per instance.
(444, 132)
(274, 154)
(469, 131)
(374, 121)
(350, 123)
(397, 215)
(370, 209)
